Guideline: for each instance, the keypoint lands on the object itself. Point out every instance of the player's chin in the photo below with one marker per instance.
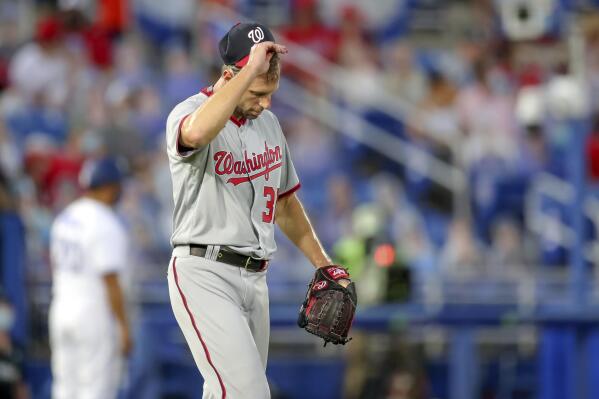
(253, 114)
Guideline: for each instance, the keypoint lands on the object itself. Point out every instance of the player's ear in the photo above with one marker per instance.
(227, 74)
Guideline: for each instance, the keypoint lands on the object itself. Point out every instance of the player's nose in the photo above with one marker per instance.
(265, 102)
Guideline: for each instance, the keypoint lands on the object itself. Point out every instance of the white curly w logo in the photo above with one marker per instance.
(257, 35)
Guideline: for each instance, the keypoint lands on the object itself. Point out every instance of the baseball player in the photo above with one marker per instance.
(89, 331)
(232, 180)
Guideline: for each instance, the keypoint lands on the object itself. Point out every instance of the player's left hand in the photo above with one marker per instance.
(330, 305)
(344, 282)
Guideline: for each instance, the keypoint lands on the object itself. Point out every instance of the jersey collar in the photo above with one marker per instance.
(208, 91)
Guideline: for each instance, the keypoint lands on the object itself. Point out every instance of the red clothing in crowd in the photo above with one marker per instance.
(99, 46)
(592, 151)
(113, 15)
(307, 30)
(52, 173)
(317, 37)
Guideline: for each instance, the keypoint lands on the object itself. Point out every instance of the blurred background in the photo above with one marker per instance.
(449, 156)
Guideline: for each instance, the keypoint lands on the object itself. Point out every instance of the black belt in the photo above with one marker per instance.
(230, 258)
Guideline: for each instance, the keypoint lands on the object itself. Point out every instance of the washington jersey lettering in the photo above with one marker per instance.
(232, 184)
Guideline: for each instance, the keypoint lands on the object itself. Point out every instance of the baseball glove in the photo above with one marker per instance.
(329, 308)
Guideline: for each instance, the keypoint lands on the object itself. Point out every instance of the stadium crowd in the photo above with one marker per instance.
(101, 80)
(79, 86)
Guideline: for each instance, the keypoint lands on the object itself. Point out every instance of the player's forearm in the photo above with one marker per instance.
(293, 221)
(204, 124)
(116, 300)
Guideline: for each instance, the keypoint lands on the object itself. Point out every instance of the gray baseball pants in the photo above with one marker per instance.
(223, 313)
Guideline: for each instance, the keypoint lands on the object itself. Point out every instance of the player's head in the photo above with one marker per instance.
(235, 47)
(102, 179)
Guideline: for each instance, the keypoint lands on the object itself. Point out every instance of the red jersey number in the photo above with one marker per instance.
(271, 197)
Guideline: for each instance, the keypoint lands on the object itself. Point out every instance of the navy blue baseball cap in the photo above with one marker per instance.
(236, 44)
(100, 172)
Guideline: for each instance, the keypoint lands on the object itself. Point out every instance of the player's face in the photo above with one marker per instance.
(257, 98)
(116, 191)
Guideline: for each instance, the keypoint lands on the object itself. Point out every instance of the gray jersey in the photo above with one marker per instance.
(225, 193)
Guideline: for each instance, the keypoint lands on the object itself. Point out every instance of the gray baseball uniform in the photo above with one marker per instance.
(225, 196)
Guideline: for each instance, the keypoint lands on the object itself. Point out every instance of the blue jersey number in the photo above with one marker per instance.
(68, 255)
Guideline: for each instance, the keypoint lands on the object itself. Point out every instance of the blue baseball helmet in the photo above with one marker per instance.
(100, 172)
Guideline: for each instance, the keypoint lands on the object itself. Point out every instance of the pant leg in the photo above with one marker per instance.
(206, 297)
(100, 362)
(86, 362)
(259, 317)
(207, 394)
(63, 359)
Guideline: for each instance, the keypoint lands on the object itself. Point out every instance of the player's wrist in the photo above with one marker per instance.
(124, 329)
(323, 262)
(251, 69)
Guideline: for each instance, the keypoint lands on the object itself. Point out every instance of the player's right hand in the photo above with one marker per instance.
(260, 56)
(126, 341)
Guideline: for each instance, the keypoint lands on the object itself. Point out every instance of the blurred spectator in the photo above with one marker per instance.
(9, 39)
(160, 176)
(37, 119)
(357, 251)
(357, 54)
(13, 289)
(39, 70)
(8, 202)
(418, 252)
(461, 253)
(141, 209)
(113, 16)
(147, 116)
(402, 76)
(404, 224)
(590, 27)
(458, 62)
(165, 23)
(485, 109)
(12, 385)
(534, 156)
(388, 194)
(10, 153)
(118, 133)
(434, 128)
(313, 147)
(485, 178)
(437, 124)
(37, 219)
(507, 247)
(214, 18)
(337, 221)
(92, 40)
(592, 152)
(181, 80)
(131, 70)
(356, 371)
(306, 29)
(54, 172)
(399, 375)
